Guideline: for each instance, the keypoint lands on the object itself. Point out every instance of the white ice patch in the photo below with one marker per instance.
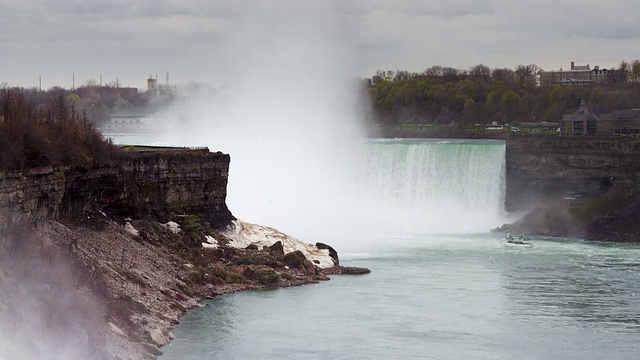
(243, 234)
(130, 229)
(172, 226)
(211, 240)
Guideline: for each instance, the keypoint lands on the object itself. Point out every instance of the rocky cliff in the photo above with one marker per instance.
(140, 183)
(584, 187)
(551, 169)
(100, 263)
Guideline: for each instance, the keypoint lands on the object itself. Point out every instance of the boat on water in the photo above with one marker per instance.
(517, 241)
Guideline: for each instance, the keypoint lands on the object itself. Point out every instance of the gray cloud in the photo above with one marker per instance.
(131, 38)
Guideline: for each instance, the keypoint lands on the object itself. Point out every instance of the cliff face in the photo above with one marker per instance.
(100, 263)
(153, 183)
(578, 187)
(553, 170)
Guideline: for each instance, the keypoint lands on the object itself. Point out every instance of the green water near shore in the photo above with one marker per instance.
(437, 297)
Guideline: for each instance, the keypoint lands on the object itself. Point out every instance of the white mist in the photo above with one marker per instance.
(289, 112)
(286, 108)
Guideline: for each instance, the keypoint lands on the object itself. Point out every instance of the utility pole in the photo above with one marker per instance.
(100, 80)
(73, 82)
(40, 83)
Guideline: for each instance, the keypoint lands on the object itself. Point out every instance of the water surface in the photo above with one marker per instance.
(437, 297)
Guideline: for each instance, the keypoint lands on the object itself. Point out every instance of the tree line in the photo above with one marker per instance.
(445, 95)
(49, 132)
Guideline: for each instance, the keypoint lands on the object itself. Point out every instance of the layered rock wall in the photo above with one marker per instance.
(547, 170)
(149, 182)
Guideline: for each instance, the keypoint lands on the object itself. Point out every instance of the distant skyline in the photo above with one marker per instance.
(209, 40)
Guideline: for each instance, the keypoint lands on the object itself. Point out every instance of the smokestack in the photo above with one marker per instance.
(572, 65)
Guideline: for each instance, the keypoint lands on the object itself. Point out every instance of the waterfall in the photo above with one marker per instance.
(434, 186)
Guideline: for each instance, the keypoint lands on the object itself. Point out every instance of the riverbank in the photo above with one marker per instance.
(118, 286)
(100, 262)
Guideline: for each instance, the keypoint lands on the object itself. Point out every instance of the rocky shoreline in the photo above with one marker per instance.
(119, 285)
(101, 262)
(609, 217)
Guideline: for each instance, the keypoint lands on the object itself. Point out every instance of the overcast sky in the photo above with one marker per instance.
(199, 40)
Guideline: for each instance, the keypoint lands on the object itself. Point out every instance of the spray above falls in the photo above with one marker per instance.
(289, 111)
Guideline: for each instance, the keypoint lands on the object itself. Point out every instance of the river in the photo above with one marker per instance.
(438, 297)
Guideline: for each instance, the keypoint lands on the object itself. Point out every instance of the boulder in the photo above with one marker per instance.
(295, 260)
(348, 270)
(332, 252)
(152, 349)
(158, 337)
(277, 248)
(309, 268)
(263, 275)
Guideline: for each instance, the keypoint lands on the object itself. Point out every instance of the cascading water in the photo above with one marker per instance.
(434, 186)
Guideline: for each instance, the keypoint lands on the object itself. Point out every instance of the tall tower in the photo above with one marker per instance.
(152, 85)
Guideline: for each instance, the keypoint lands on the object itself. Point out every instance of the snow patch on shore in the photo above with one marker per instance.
(130, 229)
(172, 226)
(211, 243)
(243, 234)
(211, 240)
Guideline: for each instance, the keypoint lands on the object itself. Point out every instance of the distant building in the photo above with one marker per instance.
(626, 122)
(152, 85)
(584, 122)
(576, 75)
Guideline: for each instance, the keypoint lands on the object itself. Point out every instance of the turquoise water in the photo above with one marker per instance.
(437, 297)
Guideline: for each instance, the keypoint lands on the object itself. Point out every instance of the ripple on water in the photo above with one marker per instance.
(443, 298)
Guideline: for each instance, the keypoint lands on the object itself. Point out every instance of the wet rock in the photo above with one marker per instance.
(152, 349)
(252, 247)
(295, 260)
(349, 270)
(309, 268)
(332, 252)
(277, 248)
(158, 337)
(257, 258)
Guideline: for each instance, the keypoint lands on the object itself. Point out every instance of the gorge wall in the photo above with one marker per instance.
(547, 170)
(143, 182)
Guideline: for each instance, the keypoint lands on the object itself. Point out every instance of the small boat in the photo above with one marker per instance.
(519, 241)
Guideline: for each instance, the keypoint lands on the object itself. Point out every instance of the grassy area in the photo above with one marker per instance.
(160, 148)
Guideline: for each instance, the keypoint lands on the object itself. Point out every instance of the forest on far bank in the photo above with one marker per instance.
(445, 95)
